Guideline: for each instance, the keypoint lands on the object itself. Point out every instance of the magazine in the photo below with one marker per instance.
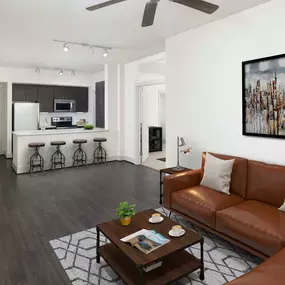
(146, 240)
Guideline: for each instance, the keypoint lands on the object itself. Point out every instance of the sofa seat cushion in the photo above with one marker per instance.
(270, 272)
(202, 203)
(260, 226)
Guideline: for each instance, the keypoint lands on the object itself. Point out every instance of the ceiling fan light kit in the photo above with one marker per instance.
(151, 6)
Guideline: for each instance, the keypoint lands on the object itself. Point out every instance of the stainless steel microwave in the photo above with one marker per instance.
(63, 105)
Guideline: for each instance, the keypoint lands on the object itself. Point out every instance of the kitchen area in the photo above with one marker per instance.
(52, 113)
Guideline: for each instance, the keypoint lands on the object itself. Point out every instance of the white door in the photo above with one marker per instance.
(143, 124)
(162, 113)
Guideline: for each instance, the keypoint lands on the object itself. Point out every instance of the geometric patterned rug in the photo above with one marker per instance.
(223, 261)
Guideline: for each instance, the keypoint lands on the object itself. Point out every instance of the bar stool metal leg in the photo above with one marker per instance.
(79, 157)
(100, 154)
(58, 158)
(36, 160)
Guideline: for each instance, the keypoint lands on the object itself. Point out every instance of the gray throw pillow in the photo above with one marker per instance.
(217, 174)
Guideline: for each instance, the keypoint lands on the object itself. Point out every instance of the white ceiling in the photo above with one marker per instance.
(28, 27)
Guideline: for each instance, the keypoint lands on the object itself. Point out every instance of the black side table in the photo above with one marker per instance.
(169, 171)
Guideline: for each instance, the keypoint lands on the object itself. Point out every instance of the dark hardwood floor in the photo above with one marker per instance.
(36, 209)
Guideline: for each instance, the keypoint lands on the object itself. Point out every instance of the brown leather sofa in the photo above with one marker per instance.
(249, 217)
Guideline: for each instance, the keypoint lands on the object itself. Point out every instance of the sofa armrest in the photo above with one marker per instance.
(179, 181)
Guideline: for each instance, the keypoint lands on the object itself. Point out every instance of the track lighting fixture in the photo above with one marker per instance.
(105, 53)
(72, 73)
(60, 72)
(38, 70)
(91, 48)
(66, 47)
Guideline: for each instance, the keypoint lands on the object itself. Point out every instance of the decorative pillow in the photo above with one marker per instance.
(217, 173)
(282, 208)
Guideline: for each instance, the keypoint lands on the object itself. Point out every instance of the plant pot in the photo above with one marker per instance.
(126, 221)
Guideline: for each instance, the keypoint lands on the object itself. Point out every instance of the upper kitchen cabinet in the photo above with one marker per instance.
(32, 93)
(59, 92)
(81, 97)
(19, 92)
(45, 98)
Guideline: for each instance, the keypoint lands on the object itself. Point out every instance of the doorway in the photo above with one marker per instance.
(152, 126)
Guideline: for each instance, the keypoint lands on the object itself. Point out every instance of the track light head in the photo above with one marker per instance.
(66, 47)
(60, 72)
(91, 50)
(38, 70)
(72, 73)
(105, 53)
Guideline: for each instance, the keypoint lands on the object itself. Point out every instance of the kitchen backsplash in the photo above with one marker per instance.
(45, 118)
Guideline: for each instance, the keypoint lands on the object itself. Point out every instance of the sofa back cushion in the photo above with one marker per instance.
(266, 183)
(239, 173)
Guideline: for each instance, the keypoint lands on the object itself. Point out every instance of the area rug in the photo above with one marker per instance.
(223, 261)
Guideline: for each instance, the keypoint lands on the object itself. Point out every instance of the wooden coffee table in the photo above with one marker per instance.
(129, 262)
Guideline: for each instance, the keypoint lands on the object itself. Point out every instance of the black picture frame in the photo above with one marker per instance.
(244, 91)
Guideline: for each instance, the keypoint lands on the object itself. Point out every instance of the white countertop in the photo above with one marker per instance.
(57, 132)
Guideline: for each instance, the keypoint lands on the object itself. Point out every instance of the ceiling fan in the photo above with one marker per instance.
(151, 5)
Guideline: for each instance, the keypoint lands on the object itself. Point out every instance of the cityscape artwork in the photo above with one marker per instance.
(264, 97)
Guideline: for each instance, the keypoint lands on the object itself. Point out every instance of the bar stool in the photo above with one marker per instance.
(100, 153)
(79, 155)
(58, 157)
(36, 160)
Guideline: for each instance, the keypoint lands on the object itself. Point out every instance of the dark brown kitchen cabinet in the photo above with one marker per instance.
(45, 98)
(31, 93)
(45, 95)
(59, 92)
(19, 92)
(81, 98)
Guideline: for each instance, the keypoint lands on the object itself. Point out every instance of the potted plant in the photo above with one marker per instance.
(125, 213)
(88, 127)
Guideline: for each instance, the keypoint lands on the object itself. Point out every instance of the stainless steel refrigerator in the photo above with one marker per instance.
(26, 116)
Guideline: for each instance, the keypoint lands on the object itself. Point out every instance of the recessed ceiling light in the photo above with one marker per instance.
(105, 53)
(60, 72)
(66, 47)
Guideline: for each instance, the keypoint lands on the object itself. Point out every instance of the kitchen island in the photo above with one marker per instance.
(22, 152)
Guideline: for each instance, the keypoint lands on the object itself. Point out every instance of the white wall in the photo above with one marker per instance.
(28, 75)
(135, 75)
(204, 84)
(151, 94)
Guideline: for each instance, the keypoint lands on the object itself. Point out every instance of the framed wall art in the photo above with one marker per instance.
(264, 97)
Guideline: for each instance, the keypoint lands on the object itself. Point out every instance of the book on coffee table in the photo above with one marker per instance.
(146, 240)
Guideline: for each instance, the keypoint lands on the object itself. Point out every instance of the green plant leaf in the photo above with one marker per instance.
(125, 210)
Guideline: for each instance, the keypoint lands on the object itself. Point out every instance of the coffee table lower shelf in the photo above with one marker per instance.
(174, 266)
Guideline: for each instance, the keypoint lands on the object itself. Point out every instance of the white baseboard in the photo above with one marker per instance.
(8, 155)
(129, 159)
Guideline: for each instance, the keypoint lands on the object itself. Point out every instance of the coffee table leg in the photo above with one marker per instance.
(98, 246)
(140, 280)
(202, 276)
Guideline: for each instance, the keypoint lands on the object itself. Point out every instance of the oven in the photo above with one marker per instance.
(61, 105)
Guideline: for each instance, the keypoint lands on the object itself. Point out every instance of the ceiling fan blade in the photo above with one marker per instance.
(200, 5)
(104, 4)
(149, 14)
